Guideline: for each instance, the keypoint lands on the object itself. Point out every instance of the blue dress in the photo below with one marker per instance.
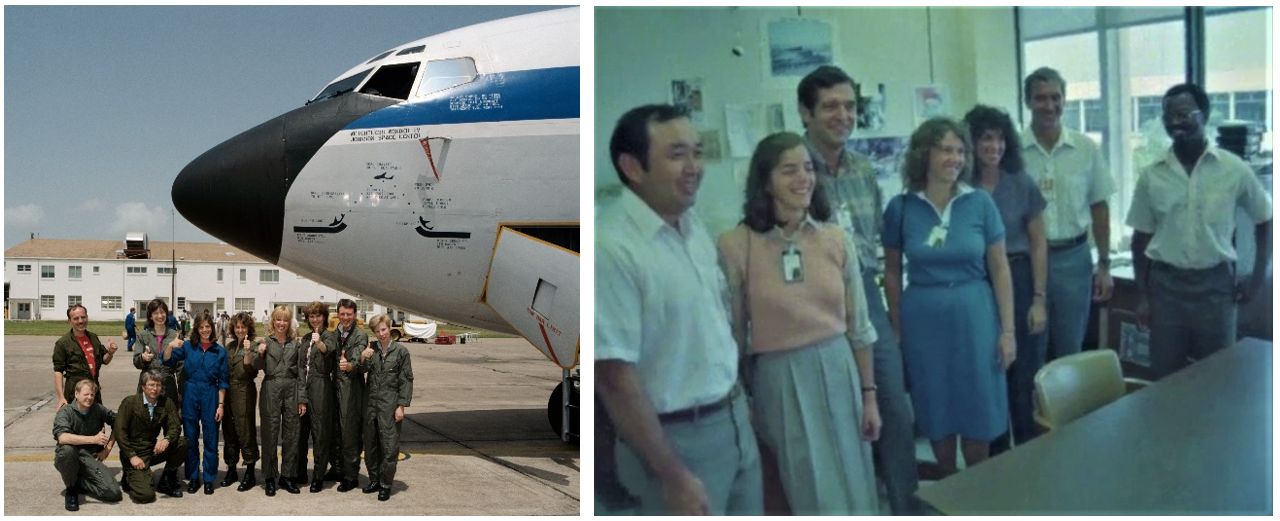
(948, 317)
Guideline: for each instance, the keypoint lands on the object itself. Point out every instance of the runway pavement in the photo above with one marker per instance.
(476, 441)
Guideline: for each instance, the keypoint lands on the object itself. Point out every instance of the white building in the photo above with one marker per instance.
(45, 277)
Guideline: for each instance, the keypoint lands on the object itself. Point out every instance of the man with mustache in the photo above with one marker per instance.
(1183, 217)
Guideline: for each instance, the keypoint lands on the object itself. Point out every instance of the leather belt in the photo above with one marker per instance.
(700, 411)
(1019, 257)
(1069, 243)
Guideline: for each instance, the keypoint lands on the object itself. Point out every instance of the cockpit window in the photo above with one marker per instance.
(445, 74)
(380, 56)
(392, 81)
(341, 86)
(412, 50)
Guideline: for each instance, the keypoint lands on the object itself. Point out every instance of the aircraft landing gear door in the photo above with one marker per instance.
(533, 285)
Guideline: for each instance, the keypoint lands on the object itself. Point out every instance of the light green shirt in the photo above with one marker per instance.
(1072, 176)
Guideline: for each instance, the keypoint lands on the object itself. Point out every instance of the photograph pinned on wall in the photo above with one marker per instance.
(886, 155)
(797, 46)
(710, 145)
(687, 94)
(777, 120)
(871, 115)
(932, 101)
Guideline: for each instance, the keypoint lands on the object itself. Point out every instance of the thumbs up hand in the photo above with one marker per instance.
(262, 347)
(101, 438)
(368, 352)
(343, 364)
(111, 346)
(315, 337)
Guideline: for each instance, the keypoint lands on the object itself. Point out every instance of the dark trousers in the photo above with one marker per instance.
(78, 463)
(895, 451)
(142, 486)
(1032, 350)
(381, 446)
(1193, 314)
(278, 407)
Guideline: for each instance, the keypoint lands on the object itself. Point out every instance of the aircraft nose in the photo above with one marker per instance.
(236, 190)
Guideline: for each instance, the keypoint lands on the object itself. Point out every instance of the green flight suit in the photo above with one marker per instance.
(69, 360)
(137, 430)
(389, 384)
(239, 417)
(317, 424)
(147, 338)
(350, 392)
(80, 462)
(282, 391)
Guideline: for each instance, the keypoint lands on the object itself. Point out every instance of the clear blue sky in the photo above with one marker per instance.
(103, 106)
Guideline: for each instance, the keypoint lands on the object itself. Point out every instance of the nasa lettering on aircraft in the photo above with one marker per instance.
(440, 177)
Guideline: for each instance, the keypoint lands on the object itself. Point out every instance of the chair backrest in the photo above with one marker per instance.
(1075, 385)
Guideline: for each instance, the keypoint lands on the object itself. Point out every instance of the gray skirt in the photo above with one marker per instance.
(808, 409)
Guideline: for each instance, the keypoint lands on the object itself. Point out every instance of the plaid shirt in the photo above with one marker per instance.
(856, 201)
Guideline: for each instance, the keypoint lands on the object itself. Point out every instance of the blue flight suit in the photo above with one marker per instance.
(130, 328)
(205, 372)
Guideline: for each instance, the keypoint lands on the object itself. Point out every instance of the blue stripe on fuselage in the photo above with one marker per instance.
(507, 96)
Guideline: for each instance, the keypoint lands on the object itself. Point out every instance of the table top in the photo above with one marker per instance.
(1197, 442)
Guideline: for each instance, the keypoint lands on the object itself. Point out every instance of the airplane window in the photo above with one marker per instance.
(445, 74)
(341, 86)
(380, 56)
(412, 50)
(392, 81)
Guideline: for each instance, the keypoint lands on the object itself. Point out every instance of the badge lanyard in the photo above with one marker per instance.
(938, 235)
(792, 265)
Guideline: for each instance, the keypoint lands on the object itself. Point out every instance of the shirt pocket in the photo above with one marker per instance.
(1220, 210)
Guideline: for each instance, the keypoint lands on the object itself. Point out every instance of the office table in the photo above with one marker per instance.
(1197, 442)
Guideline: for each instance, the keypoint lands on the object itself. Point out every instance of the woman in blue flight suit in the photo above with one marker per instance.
(204, 390)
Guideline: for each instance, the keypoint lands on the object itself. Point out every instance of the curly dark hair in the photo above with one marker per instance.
(316, 308)
(246, 319)
(983, 118)
(758, 211)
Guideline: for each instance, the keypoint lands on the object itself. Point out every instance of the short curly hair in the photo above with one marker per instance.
(983, 118)
(316, 308)
(915, 168)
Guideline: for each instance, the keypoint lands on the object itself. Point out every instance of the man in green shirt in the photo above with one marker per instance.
(83, 444)
(78, 355)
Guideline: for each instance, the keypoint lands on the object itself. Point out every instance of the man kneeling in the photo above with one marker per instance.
(140, 419)
(83, 444)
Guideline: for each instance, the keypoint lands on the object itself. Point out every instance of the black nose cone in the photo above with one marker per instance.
(236, 190)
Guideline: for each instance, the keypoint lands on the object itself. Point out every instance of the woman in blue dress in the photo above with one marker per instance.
(955, 317)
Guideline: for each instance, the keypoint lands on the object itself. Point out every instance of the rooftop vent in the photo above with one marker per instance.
(136, 246)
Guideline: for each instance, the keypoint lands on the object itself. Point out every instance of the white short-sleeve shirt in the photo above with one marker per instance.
(661, 304)
(1072, 176)
(1192, 218)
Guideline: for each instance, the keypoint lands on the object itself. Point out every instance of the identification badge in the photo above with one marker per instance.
(1046, 185)
(846, 221)
(792, 267)
(936, 237)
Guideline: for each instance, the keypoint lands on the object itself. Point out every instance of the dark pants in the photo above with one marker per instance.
(895, 451)
(381, 446)
(142, 486)
(350, 413)
(1193, 314)
(278, 407)
(1030, 357)
(80, 463)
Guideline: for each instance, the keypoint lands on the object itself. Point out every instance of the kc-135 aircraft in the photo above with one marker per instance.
(440, 177)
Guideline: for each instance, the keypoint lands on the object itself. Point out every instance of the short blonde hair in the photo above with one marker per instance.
(285, 313)
(93, 386)
(378, 320)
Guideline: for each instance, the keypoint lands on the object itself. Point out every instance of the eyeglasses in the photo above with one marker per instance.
(1174, 117)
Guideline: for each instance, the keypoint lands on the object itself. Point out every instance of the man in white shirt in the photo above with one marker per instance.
(1183, 217)
(666, 361)
(1075, 182)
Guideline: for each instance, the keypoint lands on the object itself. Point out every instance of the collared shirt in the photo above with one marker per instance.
(661, 305)
(1072, 177)
(972, 223)
(856, 200)
(151, 407)
(828, 299)
(1192, 218)
(1019, 201)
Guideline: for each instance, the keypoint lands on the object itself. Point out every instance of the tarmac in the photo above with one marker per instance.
(476, 441)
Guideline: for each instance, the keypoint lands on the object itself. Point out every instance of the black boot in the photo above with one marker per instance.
(249, 480)
(73, 502)
(288, 486)
(371, 487)
(169, 484)
(270, 487)
(317, 483)
(193, 486)
(384, 494)
(230, 477)
(347, 485)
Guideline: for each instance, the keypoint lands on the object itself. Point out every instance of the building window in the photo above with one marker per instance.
(165, 270)
(1149, 108)
(46, 272)
(1094, 119)
(1219, 107)
(365, 306)
(268, 275)
(24, 268)
(219, 274)
(73, 272)
(73, 301)
(242, 270)
(1251, 106)
(136, 270)
(112, 302)
(95, 270)
(46, 301)
(221, 305)
(244, 304)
